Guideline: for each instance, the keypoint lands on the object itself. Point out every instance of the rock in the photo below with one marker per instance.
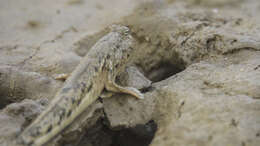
(211, 105)
(134, 78)
(127, 111)
(17, 84)
(15, 117)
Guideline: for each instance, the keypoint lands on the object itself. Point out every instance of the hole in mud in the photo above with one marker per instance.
(164, 70)
(7, 96)
(101, 135)
(5, 101)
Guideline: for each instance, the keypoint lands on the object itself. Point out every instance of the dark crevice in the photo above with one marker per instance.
(238, 49)
(8, 94)
(164, 70)
(147, 89)
(7, 97)
(102, 135)
(140, 135)
(6, 101)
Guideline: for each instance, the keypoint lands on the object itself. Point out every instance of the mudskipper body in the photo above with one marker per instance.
(95, 73)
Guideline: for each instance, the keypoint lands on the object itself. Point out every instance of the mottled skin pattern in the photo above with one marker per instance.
(97, 71)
